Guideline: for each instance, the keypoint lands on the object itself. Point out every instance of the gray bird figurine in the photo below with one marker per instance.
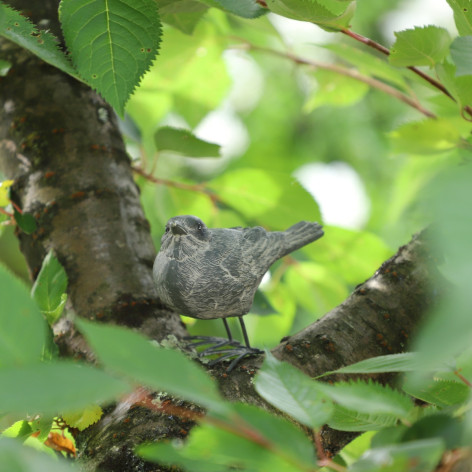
(214, 273)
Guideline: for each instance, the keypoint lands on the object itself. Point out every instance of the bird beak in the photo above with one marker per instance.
(177, 229)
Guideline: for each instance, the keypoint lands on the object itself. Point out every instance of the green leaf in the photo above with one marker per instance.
(49, 288)
(415, 456)
(368, 64)
(443, 426)
(184, 142)
(267, 198)
(5, 66)
(50, 388)
(268, 330)
(190, 78)
(328, 15)
(350, 420)
(182, 14)
(112, 43)
(131, 354)
(315, 288)
(261, 305)
(22, 328)
(406, 362)
(25, 221)
(251, 439)
(423, 46)
(288, 440)
(442, 393)
(462, 16)
(460, 87)
(242, 8)
(336, 90)
(19, 430)
(42, 426)
(425, 137)
(15, 27)
(388, 436)
(461, 53)
(15, 457)
(369, 397)
(448, 329)
(292, 392)
(354, 254)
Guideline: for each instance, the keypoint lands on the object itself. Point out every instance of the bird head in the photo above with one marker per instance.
(186, 226)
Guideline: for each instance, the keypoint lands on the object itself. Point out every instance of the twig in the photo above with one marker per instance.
(172, 183)
(16, 207)
(5, 212)
(373, 44)
(237, 425)
(323, 459)
(352, 73)
(467, 382)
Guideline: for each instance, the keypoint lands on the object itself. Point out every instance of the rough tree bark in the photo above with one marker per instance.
(61, 144)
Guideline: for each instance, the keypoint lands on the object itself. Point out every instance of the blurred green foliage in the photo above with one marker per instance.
(277, 95)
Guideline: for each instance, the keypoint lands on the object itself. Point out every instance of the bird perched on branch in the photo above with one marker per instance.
(214, 273)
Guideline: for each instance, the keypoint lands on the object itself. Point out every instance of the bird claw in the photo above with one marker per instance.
(218, 342)
(230, 349)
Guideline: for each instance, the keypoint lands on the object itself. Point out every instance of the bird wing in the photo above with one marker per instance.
(261, 248)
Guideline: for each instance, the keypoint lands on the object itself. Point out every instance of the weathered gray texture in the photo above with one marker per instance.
(214, 273)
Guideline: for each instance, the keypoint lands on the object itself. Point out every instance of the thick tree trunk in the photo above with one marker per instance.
(61, 144)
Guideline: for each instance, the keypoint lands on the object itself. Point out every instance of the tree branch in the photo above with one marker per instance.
(373, 44)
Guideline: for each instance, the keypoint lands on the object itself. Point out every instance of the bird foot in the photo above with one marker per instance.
(228, 348)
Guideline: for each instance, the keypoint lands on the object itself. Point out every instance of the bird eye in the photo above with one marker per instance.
(199, 226)
(167, 229)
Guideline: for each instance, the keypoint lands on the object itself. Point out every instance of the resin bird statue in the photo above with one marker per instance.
(209, 273)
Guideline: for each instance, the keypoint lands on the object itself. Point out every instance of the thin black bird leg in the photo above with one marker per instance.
(228, 331)
(243, 329)
(217, 342)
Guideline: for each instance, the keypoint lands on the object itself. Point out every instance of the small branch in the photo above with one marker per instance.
(373, 44)
(467, 382)
(323, 459)
(352, 73)
(16, 207)
(237, 425)
(367, 41)
(172, 183)
(5, 212)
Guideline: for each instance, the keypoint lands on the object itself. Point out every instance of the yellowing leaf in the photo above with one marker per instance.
(60, 443)
(83, 419)
(4, 188)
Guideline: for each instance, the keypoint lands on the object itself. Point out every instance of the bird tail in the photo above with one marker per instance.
(301, 234)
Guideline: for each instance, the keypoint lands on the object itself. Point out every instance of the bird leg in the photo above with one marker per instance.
(229, 347)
